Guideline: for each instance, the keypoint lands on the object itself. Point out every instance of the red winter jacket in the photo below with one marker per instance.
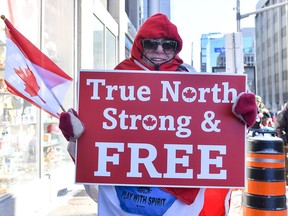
(159, 26)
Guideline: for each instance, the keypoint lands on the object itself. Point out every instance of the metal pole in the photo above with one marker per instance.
(238, 16)
(264, 9)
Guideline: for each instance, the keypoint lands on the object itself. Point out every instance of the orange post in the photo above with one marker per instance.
(265, 190)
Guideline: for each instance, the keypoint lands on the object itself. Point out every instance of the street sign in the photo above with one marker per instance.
(219, 50)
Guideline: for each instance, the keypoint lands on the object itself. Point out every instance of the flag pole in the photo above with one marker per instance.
(57, 101)
(3, 17)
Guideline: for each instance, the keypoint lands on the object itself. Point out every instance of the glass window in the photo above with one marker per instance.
(128, 47)
(19, 120)
(19, 141)
(29, 138)
(98, 44)
(110, 50)
(58, 41)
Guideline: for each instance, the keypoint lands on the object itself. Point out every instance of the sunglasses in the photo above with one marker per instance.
(169, 46)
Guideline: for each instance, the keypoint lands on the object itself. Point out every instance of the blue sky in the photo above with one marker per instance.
(194, 17)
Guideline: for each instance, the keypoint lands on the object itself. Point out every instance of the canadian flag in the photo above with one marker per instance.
(30, 74)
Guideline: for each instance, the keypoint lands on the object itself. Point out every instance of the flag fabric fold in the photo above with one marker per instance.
(30, 74)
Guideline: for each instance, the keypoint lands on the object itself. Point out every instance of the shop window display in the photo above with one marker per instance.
(19, 143)
(30, 145)
(32, 152)
(53, 146)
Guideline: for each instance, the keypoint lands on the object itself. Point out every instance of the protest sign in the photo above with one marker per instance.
(160, 129)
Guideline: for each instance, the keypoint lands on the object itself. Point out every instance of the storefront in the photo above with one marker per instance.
(33, 155)
(31, 144)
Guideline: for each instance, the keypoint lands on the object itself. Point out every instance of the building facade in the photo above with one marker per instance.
(213, 55)
(203, 53)
(215, 52)
(271, 53)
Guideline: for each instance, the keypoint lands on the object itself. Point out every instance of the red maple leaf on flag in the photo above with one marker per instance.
(30, 82)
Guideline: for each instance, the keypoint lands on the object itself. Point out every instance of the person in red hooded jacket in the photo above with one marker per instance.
(156, 47)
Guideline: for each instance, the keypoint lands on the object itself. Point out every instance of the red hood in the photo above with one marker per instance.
(156, 26)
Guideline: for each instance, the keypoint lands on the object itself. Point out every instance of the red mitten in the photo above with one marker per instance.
(245, 108)
(70, 125)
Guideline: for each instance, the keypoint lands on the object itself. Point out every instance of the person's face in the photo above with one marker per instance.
(158, 50)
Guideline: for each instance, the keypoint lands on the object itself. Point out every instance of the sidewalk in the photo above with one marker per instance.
(79, 204)
(75, 203)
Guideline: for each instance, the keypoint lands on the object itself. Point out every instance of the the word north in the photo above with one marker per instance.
(171, 91)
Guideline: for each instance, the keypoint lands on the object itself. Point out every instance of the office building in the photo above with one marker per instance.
(271, 54)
